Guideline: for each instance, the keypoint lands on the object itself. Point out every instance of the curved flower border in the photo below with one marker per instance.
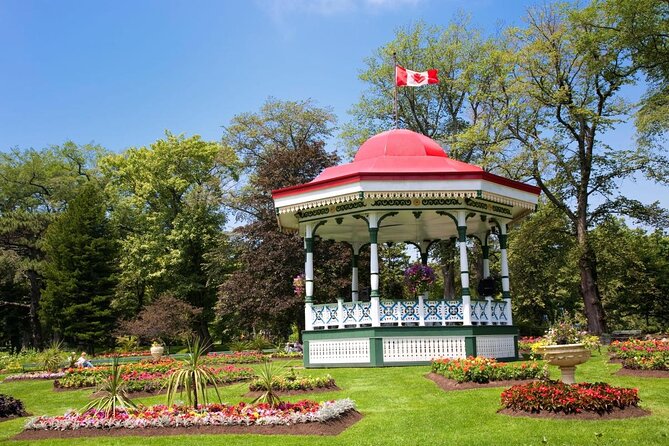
(210, 415)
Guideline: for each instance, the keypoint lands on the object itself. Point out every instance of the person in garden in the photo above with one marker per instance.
(83, 361)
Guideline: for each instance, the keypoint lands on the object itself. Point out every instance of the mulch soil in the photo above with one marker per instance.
(451, 384)
(295, 392)
(643, 373)
(332, 427)
(616, 414)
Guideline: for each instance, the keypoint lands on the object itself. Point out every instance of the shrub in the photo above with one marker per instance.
(11, 407)
(52, 358)
(483, 370)
(266, 384)
(192, 377)
(558, 397)
(294, 381)
(113, 392)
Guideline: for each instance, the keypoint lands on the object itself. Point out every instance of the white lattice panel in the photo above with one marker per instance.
(495, 346)
(407, 349)
(344, 351)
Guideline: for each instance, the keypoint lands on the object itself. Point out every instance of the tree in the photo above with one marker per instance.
(640, 29)
(169, 215)
(635, 282)
(281, 145)
(168, 318)
(542, 263)
(80, 271)
(35, 186)
(561, 94)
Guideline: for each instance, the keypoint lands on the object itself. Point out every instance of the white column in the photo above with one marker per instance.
(506, 294)
(340, 312)
(423, 245)
(309, 276)
(464, 268)
(486, 273)
(374, 268)
(354, 272)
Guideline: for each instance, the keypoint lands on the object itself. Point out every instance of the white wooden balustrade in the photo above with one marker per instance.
(408, 312)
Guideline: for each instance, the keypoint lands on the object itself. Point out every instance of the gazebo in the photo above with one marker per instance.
(403, 187)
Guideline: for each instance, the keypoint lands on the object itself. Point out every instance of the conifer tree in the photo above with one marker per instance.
(81, 253)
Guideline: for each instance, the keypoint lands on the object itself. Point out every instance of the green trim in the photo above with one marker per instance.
(470, 346)
(503, 239)
(486, 251)
(438, 210)
(389, 214)
(374, 236)
(308, 299)
(423, 258)
(318, 225)
(506, 295)
(354, 261)
(465, 292)
(309, 244)
(446, 214)
(462, 234)
(515, 346)
(387, 332)
(376, 352)
(361, 217)
(377, 334)
(417, 214)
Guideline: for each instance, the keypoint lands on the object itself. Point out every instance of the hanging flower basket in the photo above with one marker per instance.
(419, 278)
(299, 285)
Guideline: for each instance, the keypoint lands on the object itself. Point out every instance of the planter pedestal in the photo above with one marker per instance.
(567, 357)
(157, 351)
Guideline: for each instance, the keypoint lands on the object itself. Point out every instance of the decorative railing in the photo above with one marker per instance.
(408, 312)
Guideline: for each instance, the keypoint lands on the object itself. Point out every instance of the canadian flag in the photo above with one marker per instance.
(408, 78)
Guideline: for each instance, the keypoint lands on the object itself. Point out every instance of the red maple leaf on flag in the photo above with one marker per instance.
(418, 77)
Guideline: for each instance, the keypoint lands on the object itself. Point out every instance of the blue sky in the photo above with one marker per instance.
(120, 73)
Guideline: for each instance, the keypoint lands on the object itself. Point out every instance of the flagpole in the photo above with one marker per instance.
(395, 102)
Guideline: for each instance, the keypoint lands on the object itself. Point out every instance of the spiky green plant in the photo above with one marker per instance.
(267, 376)
(52, 357)
(113, 393)
(192, 377)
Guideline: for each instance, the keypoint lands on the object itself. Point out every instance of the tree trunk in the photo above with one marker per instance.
(203, 331)
(449, 280)
(35, 296)
(587, 265)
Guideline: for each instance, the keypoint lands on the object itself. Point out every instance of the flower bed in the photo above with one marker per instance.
(235, 358)
(145, 376)
(209, 415)
(34, 375)
(483, 370)
(558, 397)
(296, 382)
(641, 355)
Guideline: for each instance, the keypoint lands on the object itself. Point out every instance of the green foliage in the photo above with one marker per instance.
(80, 275)
(126, 344)
(53, 357)
(113, 393)
(168, 208)
(294, 381)
(267, 383)
(192, 377)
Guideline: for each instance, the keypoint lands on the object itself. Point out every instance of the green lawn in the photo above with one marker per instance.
(401, 407)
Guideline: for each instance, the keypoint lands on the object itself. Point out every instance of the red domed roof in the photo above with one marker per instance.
(399, 156)
(399, 143)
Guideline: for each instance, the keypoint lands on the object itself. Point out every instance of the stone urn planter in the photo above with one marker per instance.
(567, 357)
(157, 351)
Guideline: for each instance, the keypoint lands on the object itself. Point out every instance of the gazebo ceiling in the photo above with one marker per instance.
(404, 172)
